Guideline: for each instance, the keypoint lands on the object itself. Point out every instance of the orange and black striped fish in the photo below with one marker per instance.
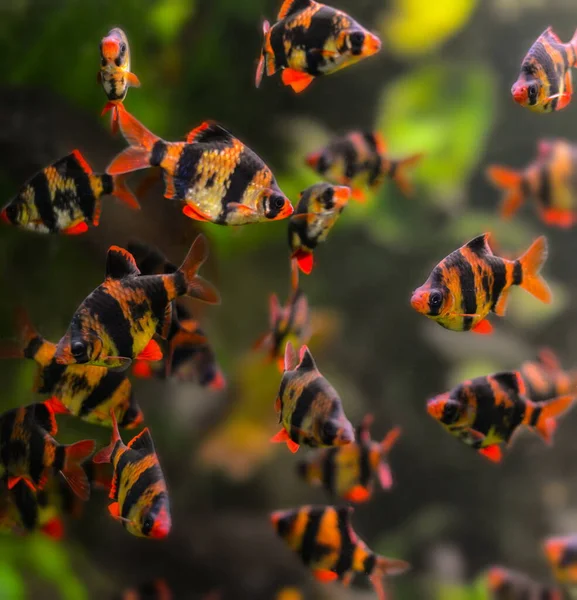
(311, 39)
(138, 490)
(29, 453)
(359, 160)
(190, 357)
(114, 74)
(289, 323)
(318, 210)
(348, 472)
(220, 179)
(544, 83)
(84, 391)
(64, 197)
(561, 552)
(117, 321)
(545, 378)
(487, 411)
(309, 408)
(157, 589)
(505, 584)
(324, 539)
(472, 282)
(549, 180)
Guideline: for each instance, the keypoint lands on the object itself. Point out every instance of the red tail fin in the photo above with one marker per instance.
(509, 180)
(400, 176)
(73, 472)
(531, 263)
(123, 192)
(197, 287)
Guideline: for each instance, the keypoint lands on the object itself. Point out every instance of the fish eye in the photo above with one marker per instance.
(532, 91)
(103, 61)
(450, 412)
(122, 48)
(435, 300)
(356, 41)
(11, 212)
(278, 202)
(78, 349)
(147, 524)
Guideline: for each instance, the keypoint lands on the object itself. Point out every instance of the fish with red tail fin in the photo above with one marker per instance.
(360, 160)
(349, 472)
(505, 584)
(487, 411)
(311, 39)
(138, 489)
(65, 197)
(471, 282)
(117, 321)
(318, 210)
(324, 538)
(545, 378)
(308, 406)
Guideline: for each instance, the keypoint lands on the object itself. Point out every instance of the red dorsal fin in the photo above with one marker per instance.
(142, 442)
(81, 162)
(290, 7)
(208, 132)
(120, 263)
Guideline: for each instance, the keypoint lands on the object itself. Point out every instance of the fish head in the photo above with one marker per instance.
(531, 93)
(432, 302)
(446, 409)
(16, 213)
(155, 521)
(496, 578)
(356, 43)
(275, 204)
(323, 198)
(114, 50)
(337, 432)
(78, 346)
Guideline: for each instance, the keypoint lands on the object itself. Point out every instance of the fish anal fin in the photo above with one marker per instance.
(297, 80)
(483, 327)
(325, 576)
(77, 229)
(194, 213)
(492, 453)
(357, 494)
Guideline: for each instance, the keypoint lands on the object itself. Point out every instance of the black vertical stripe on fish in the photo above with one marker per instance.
(328, 470)
(42, 200)
(345, 560)
(278, 48)
(546, 62)
(364, 465)
(371, 141)
(157, 153)
(304, 404)
(544, 193)
(238, 182)
(499, 280)
(517, 273)
(145, 479)
(131, 412)
(6, 429)
(309, 540)
(370, 563)
(186, 169)
(484, 417)
(108, 311)
(107, 182)
(157, 296)
(106, 387)
(375, 170)
(350, 159)
(33, 346)
(50, 377)
(535, 416)
(285, 524)
(467, 283)
(84, 193)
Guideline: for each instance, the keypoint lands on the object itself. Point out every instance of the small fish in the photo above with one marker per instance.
(318, 210)
(471, 282)
(151, 590)
(324, 539)
(487, 411)
(291, 322)
(138, 490)
(117, 321)
(309, 408)
(544, 83)
(190, 357)
(549, 180)
(348, 472)
(561, 552)
(29, 453)
(84, 391)
(114, 75)
(220, 179)
(504, 584)
(64, 198)
(359, 160)
(311, 39)
(544, 378)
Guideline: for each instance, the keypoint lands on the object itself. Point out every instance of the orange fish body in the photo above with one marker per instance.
(487, 411)
(360, 161)
(348, 472)
(221, 180)
(324, 539)
(117, 321)
(318, 210)
(544, 84)
(138, 489)
(472, 282)
(504, 584)
(309, 408)
(311, 39)
(64, 197)
(550, 181)
(114, 75)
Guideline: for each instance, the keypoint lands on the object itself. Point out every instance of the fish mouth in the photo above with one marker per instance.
(341, 194)
(435, 408)
(276, 516)
(109, 49)
(286, 211)
(372, 44)
(419, 302)
(519, 94)
(344, 436)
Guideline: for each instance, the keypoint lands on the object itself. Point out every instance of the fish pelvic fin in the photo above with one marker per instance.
(196, 286)
(531, 263)
(510, 181)
(72, 471)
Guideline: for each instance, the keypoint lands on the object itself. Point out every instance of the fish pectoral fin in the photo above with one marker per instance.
(296, 79)
(501, 306)
(114, 511)
(243, 208)
(325, 576)
(305, 260)
(193, 213)
(132, 80)
(117, 363)
(385, 476)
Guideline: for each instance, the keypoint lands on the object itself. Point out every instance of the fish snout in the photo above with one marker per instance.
(345, 435)
(519, 93)
(162, 525)
(341, 195)
(435, 408)
(419, 301)
(372, 44)
(109, 49)
(287, 210)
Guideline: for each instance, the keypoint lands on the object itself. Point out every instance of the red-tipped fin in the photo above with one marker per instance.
(390, 440)
(493, 453)
(281, 437)
(73, 472)
(132, 80)
(305, 261)
(131, 159)
(325, 576)
(142, 369)
(546, 424)
(134, 131)
(559, 218)
(510, 181)
(54, 528)
(57, 406)
(123, 193)
(385, 476)
(77, 229)
(531, 263)
(401, 178)
(357, 494)
(143, 442)
(151, 352)
(296, 79)
(290, 7)
(483, 327)
(82, 163)
(194, 213)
